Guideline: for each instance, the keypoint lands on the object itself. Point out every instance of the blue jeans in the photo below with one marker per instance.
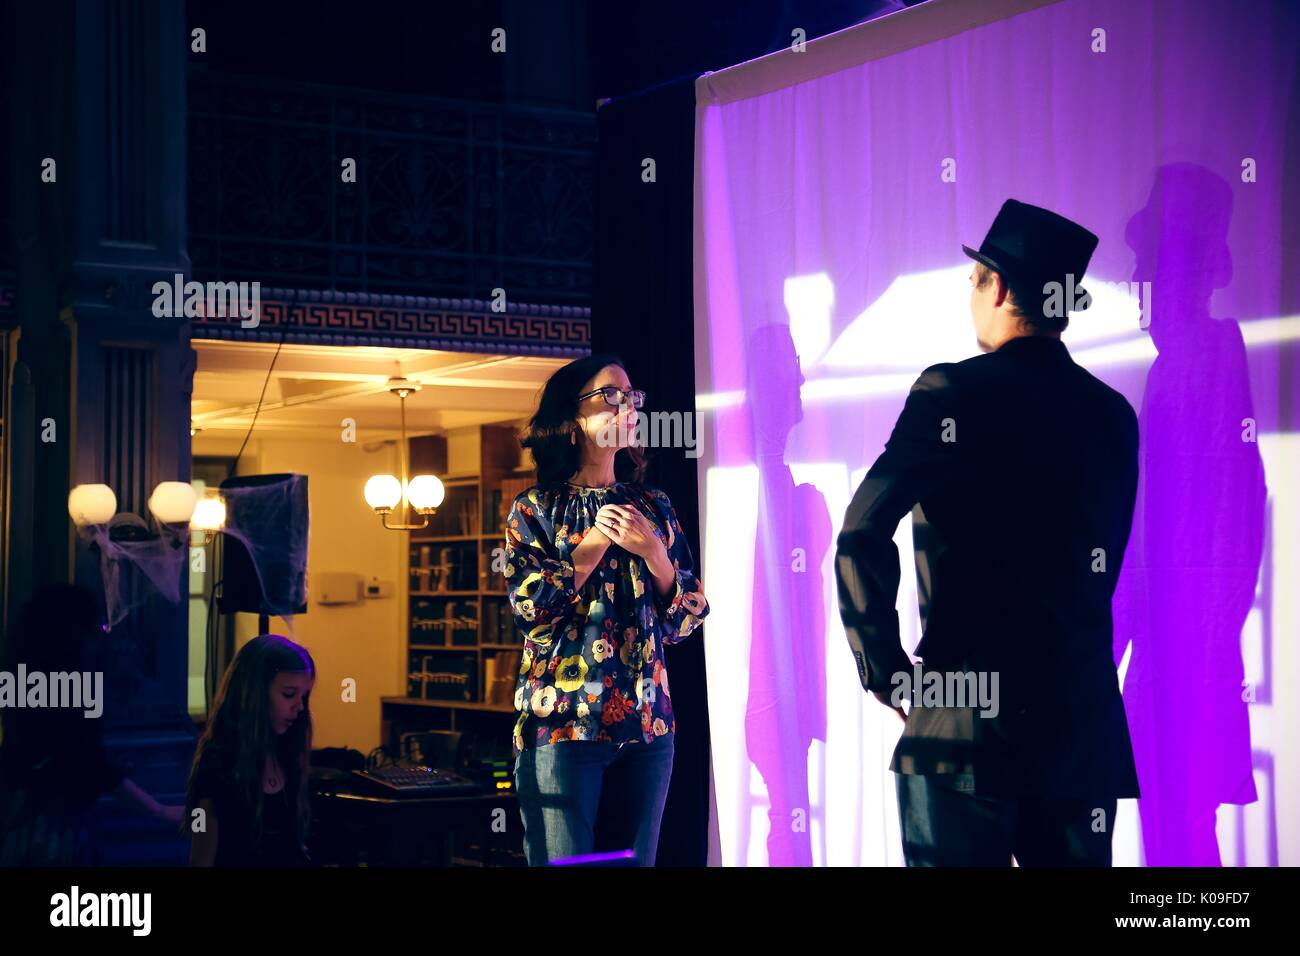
(584, 796)
(945, 823)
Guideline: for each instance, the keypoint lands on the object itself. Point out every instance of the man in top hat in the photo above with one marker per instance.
(1025, 467)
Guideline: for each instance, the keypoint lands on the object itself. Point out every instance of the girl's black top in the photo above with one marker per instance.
(237, 845)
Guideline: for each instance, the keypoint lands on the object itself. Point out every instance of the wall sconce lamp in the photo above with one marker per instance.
(125, 539)
(172, 505)
(209, 516)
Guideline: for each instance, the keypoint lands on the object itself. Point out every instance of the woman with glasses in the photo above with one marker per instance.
(600, 578)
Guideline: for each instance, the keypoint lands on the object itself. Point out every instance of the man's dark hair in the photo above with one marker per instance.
(1028, 301)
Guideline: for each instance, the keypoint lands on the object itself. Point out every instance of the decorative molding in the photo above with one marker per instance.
(389, 321)
(395, 321)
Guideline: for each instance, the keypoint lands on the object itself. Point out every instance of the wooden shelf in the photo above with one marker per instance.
(483, 496)
(452, 704)
(466, 647)
(500, 594)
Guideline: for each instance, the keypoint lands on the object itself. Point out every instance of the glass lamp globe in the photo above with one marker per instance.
(383, 492)
(91, 504)
(425, 493)
(172, 502)
(209, 514)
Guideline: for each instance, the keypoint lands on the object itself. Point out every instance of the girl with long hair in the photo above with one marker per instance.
(248, 791)
(599, 577)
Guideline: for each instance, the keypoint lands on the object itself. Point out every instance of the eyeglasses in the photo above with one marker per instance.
(616, 396)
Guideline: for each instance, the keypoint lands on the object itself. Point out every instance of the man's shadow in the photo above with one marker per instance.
(786, 708)
(1192, 563)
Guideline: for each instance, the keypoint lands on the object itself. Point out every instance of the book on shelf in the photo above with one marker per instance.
(436, 568)
(511, 488)
(457, 516)
(467, 513)
(441, 676)
(444, 621)
(500, 675)
(498, 621)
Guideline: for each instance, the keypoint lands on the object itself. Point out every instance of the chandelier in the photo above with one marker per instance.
(421, 494)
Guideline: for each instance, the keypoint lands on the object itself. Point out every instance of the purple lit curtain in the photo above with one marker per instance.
(834, 188)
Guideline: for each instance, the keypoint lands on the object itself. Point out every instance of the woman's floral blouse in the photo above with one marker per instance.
(593, 665)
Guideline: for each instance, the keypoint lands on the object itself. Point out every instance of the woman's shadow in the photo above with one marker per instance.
(786, 707)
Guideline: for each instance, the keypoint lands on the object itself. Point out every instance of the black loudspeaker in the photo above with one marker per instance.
(264, 547)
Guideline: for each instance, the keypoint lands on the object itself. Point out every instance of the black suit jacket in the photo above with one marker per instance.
(1025, 466)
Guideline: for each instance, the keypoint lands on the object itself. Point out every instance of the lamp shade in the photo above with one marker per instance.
(383, 492)
(92, 504)
(425, 493)
(209, 514)
(172, 502)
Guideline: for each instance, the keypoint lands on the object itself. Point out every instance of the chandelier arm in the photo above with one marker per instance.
(404, 526)
(406, 504)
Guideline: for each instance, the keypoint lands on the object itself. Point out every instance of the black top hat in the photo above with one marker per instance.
(1036, 246)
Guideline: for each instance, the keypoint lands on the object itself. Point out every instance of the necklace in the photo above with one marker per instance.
(592, 487)
(272, 776)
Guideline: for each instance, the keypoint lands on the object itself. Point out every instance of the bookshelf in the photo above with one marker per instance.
(462, 648)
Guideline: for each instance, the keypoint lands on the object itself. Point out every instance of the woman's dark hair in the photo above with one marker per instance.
(239, 733)
(556, 456)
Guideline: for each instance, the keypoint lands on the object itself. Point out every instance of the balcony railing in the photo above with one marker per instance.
(451, 199)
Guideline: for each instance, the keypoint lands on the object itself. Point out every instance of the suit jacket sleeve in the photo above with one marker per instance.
(917, 459)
